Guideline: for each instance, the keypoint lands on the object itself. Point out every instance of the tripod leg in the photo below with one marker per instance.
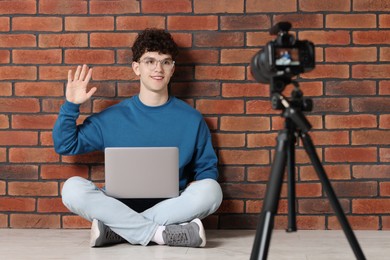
(309, 147)
(291, 198)
(271, 200)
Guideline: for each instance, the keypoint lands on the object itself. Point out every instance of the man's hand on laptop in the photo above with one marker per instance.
(76, 89)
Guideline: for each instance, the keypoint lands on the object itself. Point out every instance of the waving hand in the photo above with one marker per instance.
(76, 89)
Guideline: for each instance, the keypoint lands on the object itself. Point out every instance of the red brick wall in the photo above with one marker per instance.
(41, 40)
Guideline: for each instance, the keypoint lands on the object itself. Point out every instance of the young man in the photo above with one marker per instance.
(151, 118)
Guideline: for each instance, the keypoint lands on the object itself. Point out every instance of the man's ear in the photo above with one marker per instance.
(135, 66)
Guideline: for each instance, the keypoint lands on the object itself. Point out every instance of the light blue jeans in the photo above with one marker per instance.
(83, 198)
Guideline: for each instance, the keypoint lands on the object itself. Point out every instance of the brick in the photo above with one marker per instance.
(320, 206)
(5, 89)
(220, 72)
(139, 22)
(89, 56)
(247, 123)
(261, 140)
(355, 189)
(351, 21)
(100, 105)
(51, 205)
(63, 40)
(370, 206)
(385, 223)
(34, 221)
(198, 56)
(384, 154)
(330, 137)
(3, 221)
(4, 24)
(54, 72)
(384, 21)
(46, 138)
(356, 222)
(331, 105)
(33, 188)
(96, 23)
(350, 121)
(371, 104)
(258, 39)
(3, 154)
(183, 73)
(37, 56)
(4, 122)
(4, 57)
(301, 156)
(371, 171)
(351, 54)
(104, 89)
(124, 56)
(33, 121)
(228, 140)
(272, 6)
(113, 73)
(219, 6)
(250, 191)
(322, 6)
(63, 7)
(17, 40)
(384, 189)
(112, 39)
(231, 174)
(128, 89)
(260, 107)
(244, 90)
(195, 89)
(184, 40)
(18, 172)
(338, 37)
(219, 39)
(166, 6)
(193, 23)
(328, 71)
(114, 7)
(370, 71)
(39, 24)
(53, 106)
(32, 155)
(350, 87)
(384, 54)
(258, 173)
(232, 56)
(18, 138)
(25, 105)
(301, 20)
(18, 7)
(370, 137)
(72, 222)
(44, 89)
(246, 22)
(231, 206)
(364, 5)
(350, 154)
(97, 173)
(333, 172)
(52, 172)
(370, 37)
(2, 188)
(18, 72)
(17, 204)
(242, 157)
(384, 121)
(220, 106)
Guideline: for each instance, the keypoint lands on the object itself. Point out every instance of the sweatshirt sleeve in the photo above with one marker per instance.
(70, 138)
(205, 161)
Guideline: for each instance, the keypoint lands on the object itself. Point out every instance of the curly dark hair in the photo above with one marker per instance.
(153, 39)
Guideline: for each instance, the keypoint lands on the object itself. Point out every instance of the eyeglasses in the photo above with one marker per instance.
(151, 63)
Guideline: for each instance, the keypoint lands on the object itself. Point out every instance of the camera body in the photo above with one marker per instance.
(283, 57)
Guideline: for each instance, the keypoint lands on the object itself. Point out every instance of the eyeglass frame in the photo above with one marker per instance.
(155, 61)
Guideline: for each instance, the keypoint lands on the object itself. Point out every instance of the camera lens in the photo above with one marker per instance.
(259, 65)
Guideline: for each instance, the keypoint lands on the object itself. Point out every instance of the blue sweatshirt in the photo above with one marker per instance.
(133, 124)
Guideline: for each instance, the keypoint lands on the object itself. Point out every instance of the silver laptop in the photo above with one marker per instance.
(142, 172)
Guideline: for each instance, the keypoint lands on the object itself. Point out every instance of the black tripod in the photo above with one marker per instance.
(296, 125)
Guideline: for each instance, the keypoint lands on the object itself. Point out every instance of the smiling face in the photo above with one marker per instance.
(153, 80)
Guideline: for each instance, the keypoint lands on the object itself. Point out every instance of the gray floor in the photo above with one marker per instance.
(221, 244)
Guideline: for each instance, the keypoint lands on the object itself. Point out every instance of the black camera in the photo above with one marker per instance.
(283, 57)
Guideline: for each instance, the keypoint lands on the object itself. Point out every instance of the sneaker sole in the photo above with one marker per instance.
(95, 233)
(202, 232)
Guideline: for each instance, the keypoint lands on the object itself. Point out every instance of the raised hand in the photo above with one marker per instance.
(76, 89)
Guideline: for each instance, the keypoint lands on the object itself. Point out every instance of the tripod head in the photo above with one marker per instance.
(292, 108)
